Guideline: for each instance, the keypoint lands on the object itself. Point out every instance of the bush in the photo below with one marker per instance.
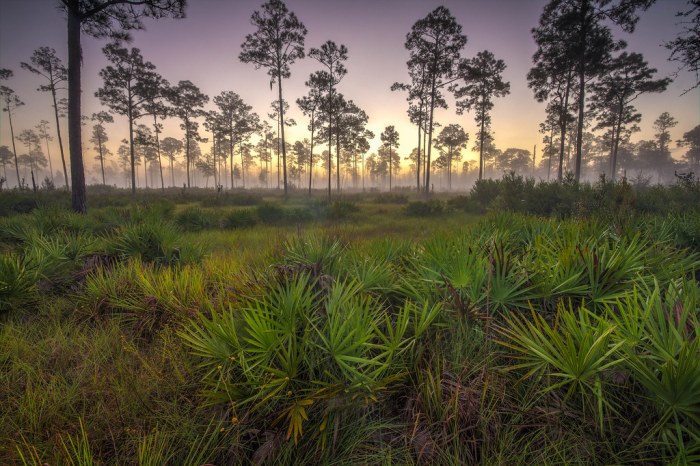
(342, 209)
(269, 212)
(152, 241)
(425, 208)
(196, 219)
(241, 218)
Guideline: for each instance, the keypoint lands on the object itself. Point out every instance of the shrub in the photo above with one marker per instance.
(269, 212)
(425, 208)
(240, 218)
(342, 209)
(196, 219)
(17, 282)
(152, 241)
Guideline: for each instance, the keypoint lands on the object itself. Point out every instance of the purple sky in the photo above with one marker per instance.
(204, 48)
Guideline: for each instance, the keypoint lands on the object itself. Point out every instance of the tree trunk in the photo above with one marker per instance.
(563, 116)
(78, 198)
(145, 171)
(187, 152)
(311, 153)
(418, 158)
(337, 158)
(390, 167)
(481, 149)
(430, 137)
(284, 149)
(102, 159)
(14, 148)
(581, 90)
(240, 148)
(48, 155)
(330, 140)
(230, 154)
(60, 139)
(160, 164)
(617, 130)
(132, 154)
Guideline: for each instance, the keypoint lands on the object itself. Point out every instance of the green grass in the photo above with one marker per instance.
(191, 328)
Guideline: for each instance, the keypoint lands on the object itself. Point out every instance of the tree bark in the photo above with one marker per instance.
(14, 148)
(430, 137)
(160, 164)
(311, 153)
(132, 155)
(102, 158)
(481, 149)
(284, 149)
(418, 158)
(58, 132)
(78, 198)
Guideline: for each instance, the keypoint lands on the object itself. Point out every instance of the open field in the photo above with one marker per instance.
(518, 324)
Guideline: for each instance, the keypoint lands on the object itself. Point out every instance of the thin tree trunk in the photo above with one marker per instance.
(616, 143)
(14, 148)
(337, 157)
(582, 91)
(102, 159)
(284, 149)
(160, 164)
(311, 153)
(60, 139)
(131, 153)
(563, 116)
(78, 198)
(418, 158)
(430, 137)
(330, 139)
(48, 153)
(481, 149)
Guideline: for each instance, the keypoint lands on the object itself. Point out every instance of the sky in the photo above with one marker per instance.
(204, 49)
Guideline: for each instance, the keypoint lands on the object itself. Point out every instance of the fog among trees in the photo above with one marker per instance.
(582, 73)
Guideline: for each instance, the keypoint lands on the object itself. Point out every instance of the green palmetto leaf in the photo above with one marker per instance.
(574, 353)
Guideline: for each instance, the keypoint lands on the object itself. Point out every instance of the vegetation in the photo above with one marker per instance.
(184, 328)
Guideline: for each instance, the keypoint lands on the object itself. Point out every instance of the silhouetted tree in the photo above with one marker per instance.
(6, 157)
(331, 56)
(685, 49)
(281, 122)
(585, 43)
(43, 132)
(171, 147)
(390, 139)
(10, 102)
(663, 124)
(310, 106)
(352, 135)
(277, 43)
(418, 96)
(691, 140)
(451, 140)
(628, 77)
(187, 101)
(99, 18)
(44, 62)
(99, 138)
(482, 82)
(435, 42)
(514, 160)
(125, 89)
(34, 155)
(551, 79)
(153, 89)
